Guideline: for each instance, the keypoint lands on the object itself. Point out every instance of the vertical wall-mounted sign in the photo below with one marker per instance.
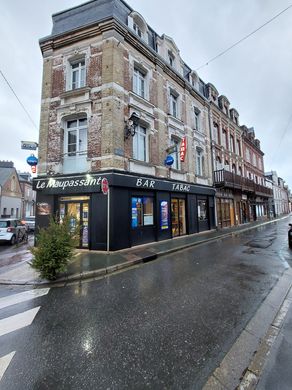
(163, 215)
(183, 149)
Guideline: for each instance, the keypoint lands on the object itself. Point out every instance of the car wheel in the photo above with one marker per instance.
(12, 240)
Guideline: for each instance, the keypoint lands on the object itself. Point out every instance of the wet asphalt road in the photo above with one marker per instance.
(163, 325)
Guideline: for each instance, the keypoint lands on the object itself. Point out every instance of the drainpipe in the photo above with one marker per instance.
(212, 161)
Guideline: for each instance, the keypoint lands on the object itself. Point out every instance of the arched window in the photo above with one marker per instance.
(138, 25)
(218, 163)
(240, 171)
(226, 165)
(234, 168)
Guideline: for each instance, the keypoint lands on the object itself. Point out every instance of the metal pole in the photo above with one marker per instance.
(108, 221)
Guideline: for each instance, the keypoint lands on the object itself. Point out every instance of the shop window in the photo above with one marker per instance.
(202, 210)
(140, 144)
(142, 211)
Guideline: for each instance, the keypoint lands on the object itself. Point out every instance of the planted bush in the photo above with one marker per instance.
(54, 248)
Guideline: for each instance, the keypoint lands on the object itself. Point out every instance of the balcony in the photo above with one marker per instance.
(228, 179)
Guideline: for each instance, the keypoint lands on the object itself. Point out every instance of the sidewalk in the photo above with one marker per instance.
(90, 264)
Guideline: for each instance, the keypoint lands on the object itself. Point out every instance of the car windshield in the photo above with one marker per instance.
(3, 224)
(30, 219)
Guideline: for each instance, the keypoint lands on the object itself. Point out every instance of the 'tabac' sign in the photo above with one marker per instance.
(183, 149)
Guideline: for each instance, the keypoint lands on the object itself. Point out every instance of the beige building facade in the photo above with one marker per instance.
(118, 106)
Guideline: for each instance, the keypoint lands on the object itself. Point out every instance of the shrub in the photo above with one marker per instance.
(54, 248)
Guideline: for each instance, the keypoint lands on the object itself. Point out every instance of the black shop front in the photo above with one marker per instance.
(135, 210)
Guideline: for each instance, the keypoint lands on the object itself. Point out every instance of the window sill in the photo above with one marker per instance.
(74, 92)
(141, 99)
(175, 119)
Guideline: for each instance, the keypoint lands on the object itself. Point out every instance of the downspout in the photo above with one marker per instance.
(212, 162)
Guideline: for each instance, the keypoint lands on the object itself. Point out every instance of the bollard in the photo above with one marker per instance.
(290, 236)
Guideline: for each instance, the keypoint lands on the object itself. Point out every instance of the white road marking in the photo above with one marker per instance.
(18, 321)
(4, 363)
(22, 297)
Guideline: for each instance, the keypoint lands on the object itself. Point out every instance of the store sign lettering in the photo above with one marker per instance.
(181, 187)
(145, 183)
(63, 184)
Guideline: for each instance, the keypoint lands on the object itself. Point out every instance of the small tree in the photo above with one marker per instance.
(55, 246)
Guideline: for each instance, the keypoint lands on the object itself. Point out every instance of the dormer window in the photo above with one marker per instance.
(171, 58)
(137, 24)
(137, 30)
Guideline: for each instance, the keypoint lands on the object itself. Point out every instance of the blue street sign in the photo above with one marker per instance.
(169, 160)
(32, 160)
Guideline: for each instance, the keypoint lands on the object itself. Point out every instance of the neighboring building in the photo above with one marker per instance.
(117, 98)
(10, 191)
(258, 197)
(241, 194)
(280, 204)
(28, 194)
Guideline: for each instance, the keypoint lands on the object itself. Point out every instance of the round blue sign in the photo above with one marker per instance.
(169, 160)
(32, 160)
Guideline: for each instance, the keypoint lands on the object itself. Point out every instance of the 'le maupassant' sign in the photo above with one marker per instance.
(68, 185)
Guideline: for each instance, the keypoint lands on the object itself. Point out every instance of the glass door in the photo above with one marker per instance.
(178, 217)
(78, 210)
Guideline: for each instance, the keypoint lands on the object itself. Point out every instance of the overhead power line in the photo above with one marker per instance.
(281, 138)
(19, 101)
(243, 39)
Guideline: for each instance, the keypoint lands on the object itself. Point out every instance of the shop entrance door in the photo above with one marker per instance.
(178, 217)
(77, 207)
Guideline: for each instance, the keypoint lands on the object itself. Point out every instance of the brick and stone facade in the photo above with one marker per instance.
(110, 47)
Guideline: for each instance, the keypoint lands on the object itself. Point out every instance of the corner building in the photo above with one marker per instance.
(117, 99)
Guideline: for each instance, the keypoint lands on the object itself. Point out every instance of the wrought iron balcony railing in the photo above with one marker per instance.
(223, 178)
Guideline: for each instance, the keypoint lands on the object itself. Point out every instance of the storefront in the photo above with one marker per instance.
(141, 209)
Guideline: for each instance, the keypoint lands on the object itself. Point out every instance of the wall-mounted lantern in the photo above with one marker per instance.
(131, 124)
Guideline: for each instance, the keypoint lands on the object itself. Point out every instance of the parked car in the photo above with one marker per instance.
(29, 222)
(12, 230)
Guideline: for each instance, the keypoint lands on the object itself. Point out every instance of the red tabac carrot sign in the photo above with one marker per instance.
(183, 149)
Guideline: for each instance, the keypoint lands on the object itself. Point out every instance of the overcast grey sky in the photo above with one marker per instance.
(256, 76)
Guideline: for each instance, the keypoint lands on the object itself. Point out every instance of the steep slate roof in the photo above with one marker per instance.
(89, 13)
(5, 173)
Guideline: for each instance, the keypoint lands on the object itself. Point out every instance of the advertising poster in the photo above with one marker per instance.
(134, 213)
(163, 215)
(43, 209)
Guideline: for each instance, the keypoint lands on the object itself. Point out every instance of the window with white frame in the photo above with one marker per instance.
(137, 29)
(173, 99)
(77, 77)
(247, 155)
(171, 58)
(176, 161)
(197, 118)
(139, 82)
(200, 162)
(232, 145)
(140, 144)
(75, 137)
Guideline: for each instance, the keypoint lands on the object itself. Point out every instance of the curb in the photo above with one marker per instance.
(243, 364)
